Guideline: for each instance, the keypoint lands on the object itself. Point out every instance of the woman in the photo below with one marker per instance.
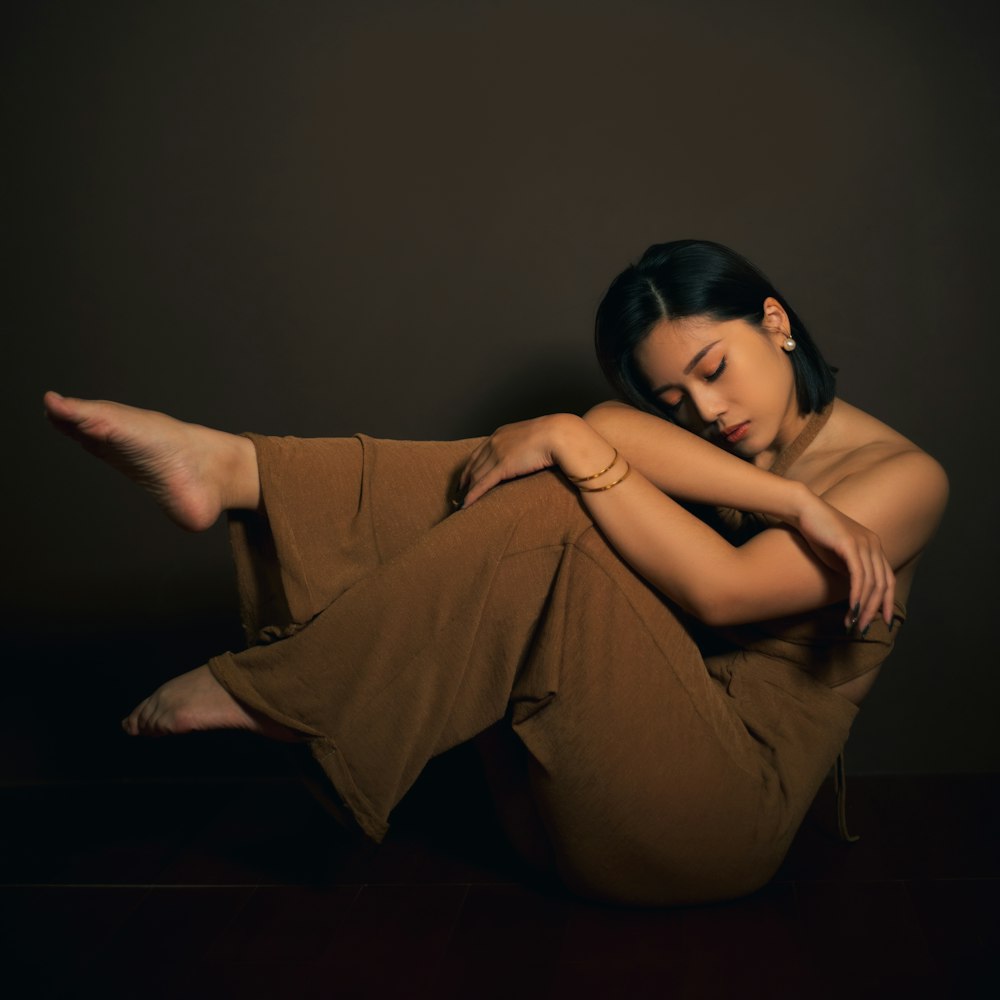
(670, 689)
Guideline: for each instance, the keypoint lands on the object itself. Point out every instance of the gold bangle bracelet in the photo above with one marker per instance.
(587, 479)
(601, 489)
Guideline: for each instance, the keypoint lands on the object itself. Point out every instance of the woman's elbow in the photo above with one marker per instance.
(713, 607)
(606, 416)
(710, 613)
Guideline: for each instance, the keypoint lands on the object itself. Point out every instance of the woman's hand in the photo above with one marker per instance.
(511, 451)
(841, 543)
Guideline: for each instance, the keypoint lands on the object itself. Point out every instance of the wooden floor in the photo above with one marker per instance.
(247, 888)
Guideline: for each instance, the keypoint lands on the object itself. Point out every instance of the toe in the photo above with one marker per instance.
(59, 407)
(140, 716)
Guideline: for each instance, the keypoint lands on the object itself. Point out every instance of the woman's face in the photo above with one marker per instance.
(728, 382)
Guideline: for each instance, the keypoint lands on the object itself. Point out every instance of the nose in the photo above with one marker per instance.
(708, 404)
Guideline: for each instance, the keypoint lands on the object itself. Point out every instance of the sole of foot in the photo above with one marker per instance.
(182, 466)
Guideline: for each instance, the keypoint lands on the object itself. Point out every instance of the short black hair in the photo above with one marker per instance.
(695, 278)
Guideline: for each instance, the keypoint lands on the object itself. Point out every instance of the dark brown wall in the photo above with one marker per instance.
(318, 218)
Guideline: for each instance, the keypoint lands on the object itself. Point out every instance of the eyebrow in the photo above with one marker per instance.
(690, 365)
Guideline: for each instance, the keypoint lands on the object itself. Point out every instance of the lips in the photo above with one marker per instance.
(736, 432)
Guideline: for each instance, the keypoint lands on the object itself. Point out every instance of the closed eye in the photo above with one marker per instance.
(712, 376)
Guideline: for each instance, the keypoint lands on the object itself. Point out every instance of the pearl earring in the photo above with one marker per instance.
(789, 344)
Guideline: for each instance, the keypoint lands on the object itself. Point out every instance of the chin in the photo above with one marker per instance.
(745, 449)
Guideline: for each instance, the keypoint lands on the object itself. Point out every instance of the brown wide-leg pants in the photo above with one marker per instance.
(388, 628)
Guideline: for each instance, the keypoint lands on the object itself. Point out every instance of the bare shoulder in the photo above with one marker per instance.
(879, 477)
(906, 474)
(854, 443)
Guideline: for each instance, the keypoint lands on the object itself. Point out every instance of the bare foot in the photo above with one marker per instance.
(196, 702)
(193, 472)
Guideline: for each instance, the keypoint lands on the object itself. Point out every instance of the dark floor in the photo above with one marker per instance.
(203, 867)
(246, 887)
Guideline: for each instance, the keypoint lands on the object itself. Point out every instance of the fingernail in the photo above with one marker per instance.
(864, 631)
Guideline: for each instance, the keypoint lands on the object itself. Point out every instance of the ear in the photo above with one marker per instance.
(775, 322)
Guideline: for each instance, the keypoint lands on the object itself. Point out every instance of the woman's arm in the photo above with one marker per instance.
(777, 572)
(774, 574)
(689, 468)
(679, 463)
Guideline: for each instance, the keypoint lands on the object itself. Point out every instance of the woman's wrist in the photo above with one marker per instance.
(583, 455)
(798, 499)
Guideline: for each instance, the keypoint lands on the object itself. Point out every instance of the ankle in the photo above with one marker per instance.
(241, 475)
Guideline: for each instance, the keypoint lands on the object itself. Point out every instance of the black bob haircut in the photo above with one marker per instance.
(694, 278)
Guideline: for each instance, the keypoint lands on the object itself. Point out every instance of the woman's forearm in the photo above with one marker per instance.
(688, 468)
(680, 555)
